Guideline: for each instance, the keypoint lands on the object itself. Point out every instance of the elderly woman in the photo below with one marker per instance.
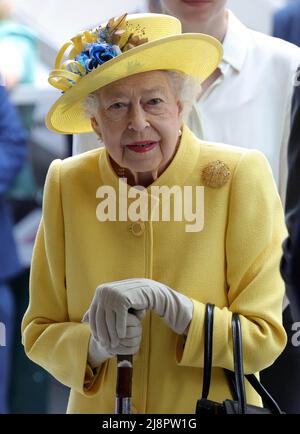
(116, 250)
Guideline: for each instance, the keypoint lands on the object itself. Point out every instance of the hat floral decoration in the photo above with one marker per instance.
(89, 49)
(124, 46)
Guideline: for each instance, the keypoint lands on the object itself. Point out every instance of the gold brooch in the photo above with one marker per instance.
(215, 174)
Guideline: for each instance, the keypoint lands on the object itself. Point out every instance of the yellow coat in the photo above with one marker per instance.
(233, 262)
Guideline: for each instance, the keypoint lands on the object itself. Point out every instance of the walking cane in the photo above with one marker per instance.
(124, 384)
(124, 381)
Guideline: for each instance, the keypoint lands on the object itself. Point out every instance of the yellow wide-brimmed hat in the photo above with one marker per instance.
(125, 46)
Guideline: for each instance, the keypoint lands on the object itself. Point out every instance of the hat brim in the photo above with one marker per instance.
(197, 55)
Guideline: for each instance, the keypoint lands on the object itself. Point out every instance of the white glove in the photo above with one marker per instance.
(109, 309)
(130, 344)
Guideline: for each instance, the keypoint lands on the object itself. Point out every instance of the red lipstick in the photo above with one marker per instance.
(195, 2)
(142, 147)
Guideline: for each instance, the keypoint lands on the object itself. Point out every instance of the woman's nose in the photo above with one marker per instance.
(138, 119)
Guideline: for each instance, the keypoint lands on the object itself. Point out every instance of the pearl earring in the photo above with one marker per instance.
(179, 133)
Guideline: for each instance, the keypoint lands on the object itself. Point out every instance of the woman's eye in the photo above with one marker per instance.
(155, 101)
(117, 105)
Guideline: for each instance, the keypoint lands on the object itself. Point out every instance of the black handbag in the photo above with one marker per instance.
(236, 379)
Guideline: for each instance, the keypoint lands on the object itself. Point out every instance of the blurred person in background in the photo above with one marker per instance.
(19, 58)
(247, 102)
(18, 53)
(18, 48)
(290, 265)
(12, 157)
(286, 25)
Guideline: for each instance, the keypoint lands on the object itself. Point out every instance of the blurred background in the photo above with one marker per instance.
(40, 28)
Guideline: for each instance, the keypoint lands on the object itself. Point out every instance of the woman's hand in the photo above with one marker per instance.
(112, 301)
(130, 344)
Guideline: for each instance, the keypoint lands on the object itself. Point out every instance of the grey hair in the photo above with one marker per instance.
(186, 87)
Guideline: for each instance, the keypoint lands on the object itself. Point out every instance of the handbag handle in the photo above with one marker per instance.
(238, 363)
(240, 376)
(236, 378)
(208, 346)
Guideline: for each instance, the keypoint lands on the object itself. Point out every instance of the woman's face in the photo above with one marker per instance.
(139, 121)
(193, 10)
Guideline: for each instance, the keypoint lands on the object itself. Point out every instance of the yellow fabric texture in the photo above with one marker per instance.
(233, 262)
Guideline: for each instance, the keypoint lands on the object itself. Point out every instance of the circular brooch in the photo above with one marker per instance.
(215, 174)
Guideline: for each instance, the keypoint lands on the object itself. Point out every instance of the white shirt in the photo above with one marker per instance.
(249, 105)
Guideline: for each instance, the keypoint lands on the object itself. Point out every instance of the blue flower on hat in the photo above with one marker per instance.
(83, 58)
(97, 54)
(100, 53)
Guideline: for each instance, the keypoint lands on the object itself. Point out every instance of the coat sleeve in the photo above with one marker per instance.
(254, 235)
(50, 339)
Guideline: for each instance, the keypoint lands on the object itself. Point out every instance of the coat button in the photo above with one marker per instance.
(137, 228)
